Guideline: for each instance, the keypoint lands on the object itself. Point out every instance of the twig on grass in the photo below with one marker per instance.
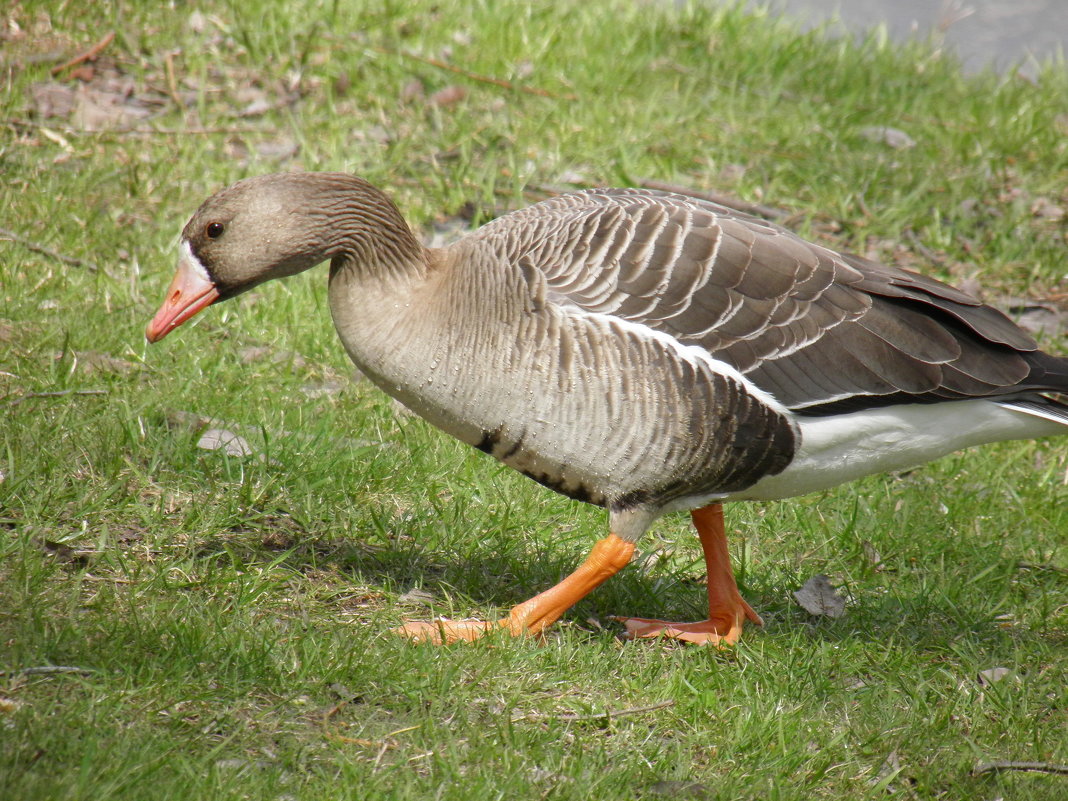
(124, 132)
(108, 579)
(172, 84)
(88, 55)
(475, 76)
(608, 714)
(1034, 767)
(47, 670)
(389, 741)
(1041, 568)
(56, 394)
(52, 254)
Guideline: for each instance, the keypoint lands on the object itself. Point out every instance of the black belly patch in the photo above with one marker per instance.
(631, 500)
(579, 493)
(489, 441)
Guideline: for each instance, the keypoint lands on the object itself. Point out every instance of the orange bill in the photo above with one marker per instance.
(190, 291)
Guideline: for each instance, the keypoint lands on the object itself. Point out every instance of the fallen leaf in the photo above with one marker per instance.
(888, 771)
(1036, 316)
(872, 556)
(90, 362)
(417, 596)
(885, 135)
(84, 73)
(175, 500)
(52, 99)
(447, 96)
(198, 23)
(64, 553)
(732, 173)
(278, 149)
(1048, 210)
(573, 177)
(107, 105)
(992, 676)
(447, 231)
(818, 597)
(413, 90)
(678, 789)
(220, 439)
(342, 83)
(540, 775)
(242, 764)
(325, 388)
(255, 108)
(255, 353)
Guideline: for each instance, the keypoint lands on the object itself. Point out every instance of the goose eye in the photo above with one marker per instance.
(214, 230)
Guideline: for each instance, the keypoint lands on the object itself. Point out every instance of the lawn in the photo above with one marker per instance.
(182, 622)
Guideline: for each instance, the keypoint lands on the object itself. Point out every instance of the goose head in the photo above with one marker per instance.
(273, 226)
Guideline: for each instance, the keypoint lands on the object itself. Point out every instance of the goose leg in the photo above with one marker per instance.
(727, 612)
(607, 558)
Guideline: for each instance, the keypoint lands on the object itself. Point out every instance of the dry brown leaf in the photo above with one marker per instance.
(220, 439)
(992, 676)
(448, 96)
(255, 353)
(1048, 210)
(325, 388)
(64, 553)
(678, 789)
(417, 596)
(52, 99)
(1036, 316)
(818, 597)
(108, 104)
(875, 560)
(198, 23)
(413, 90)
(90, 362)
(885, 135)
(278, 149)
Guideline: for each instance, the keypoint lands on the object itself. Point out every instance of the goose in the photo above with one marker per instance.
(642, 351)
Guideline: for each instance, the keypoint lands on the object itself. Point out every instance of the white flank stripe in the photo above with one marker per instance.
(1057, 414)
(694, 354)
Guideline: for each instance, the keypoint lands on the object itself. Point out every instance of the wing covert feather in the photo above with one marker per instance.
(814, 328)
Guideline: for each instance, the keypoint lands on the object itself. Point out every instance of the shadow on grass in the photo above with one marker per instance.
(907, 615)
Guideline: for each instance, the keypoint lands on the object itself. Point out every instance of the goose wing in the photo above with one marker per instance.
(819, 330)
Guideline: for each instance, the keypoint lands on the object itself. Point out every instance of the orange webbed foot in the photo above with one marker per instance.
(444, 631)
(531, 617)
(721, 629)
(727, 610)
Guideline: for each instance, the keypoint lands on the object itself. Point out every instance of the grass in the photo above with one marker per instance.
(229, 614)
